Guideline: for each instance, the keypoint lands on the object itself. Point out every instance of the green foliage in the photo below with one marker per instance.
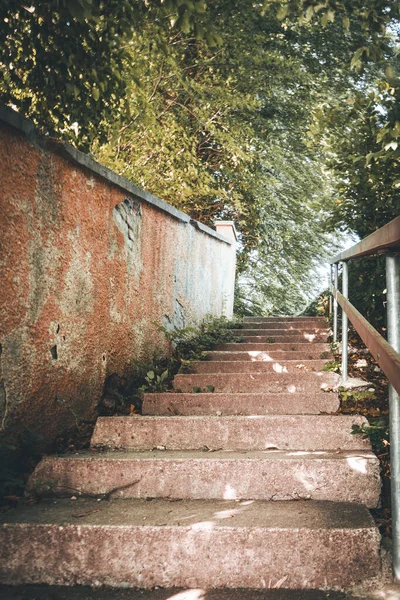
(156, 383)
(377, 431)
(191, 343)
(350, 397)
(123, 394)
(319, 306)
(332, 366)
(334, 347)
(208, 389)
(377, 24)
(60, 61)
(186, 367)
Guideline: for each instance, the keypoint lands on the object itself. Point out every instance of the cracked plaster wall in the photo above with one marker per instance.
(86, 269)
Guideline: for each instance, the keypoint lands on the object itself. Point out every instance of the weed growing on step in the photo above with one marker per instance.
(377, 431)
(123, 395)
(334, 347)
(156, 383)
(333, 366)
(192, 343)
(209, 389)
(186, 367)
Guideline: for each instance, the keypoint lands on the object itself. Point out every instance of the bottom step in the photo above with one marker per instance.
(195, 543)
(51, 592)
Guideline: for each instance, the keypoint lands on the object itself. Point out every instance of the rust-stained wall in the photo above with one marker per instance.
(88, 263)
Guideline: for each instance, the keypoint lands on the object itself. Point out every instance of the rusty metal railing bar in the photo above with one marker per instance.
(385, 355)
(387, 237)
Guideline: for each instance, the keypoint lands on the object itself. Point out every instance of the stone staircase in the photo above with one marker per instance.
(256, 484)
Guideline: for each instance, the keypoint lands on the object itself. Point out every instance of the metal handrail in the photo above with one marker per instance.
(380, 240)
(385, 355)
(385, 240)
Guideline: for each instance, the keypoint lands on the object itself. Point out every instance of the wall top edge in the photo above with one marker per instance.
(230, 224)
(15, 120)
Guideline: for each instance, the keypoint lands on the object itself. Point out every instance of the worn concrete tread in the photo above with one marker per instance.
(159, 512)
(296, 432)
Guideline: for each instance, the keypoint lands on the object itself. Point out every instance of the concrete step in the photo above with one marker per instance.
(278, 339)
(284, 326)
(196, 544)
(305, 381)
(285, 319)
(342, 476)
(304, 347)
(306, 334)
(267, 356)
(83, 592)
(242, 433)
(257, 366)
(240, 404)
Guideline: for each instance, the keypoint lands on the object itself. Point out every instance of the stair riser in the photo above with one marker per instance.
(255, 382)
(258, 366)
(296, 320)
(323, 333)
(259, 356)
(229, 433)
(306, 348)
(220, 478)
(281, 339)
(239, 404)
(191, 556)
(284, 328)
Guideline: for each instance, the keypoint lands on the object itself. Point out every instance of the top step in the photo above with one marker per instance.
(285, 319)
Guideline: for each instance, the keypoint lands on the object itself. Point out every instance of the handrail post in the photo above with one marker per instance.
(330, 290)
(393, 326)
(335, 304)
(345, 336)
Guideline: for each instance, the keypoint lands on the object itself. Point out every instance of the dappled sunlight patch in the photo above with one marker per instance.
(257, 355)
(308, 480)
(189, 595)
(310, 337)
(230, 493)
(357, 463)
(291, 389)
(279, 368)
(226, 514)
(203, 526)
(305, 452)
(387, 594)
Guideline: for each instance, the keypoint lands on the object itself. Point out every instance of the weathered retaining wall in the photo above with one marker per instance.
(88, 263)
